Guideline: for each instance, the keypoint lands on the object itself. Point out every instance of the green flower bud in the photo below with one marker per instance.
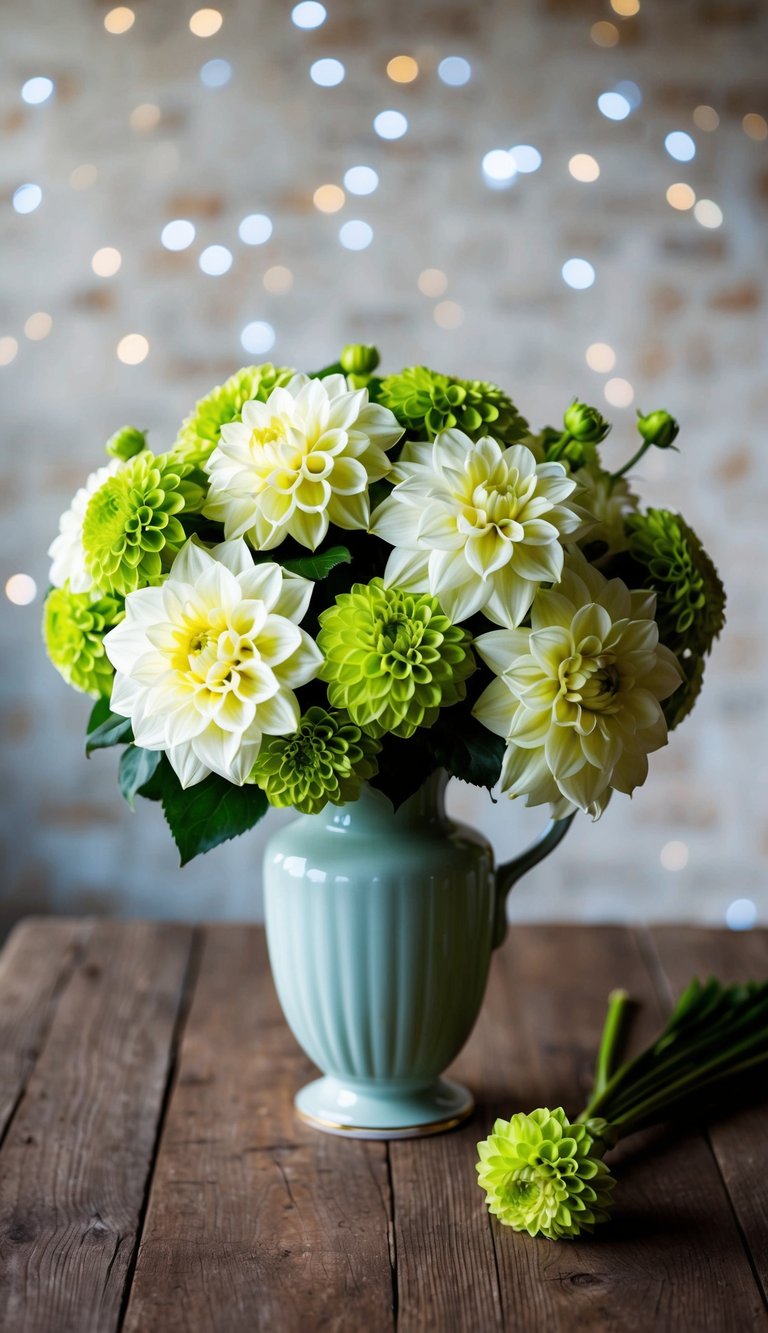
(585, 423)
(658, 428)
(359, 359)
(126, 443)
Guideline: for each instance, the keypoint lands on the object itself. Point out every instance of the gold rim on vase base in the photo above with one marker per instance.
(401, 1132)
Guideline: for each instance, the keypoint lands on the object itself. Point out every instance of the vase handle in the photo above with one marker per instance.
(510, 872)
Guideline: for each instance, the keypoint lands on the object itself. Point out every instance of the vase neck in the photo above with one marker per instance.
(425, 807)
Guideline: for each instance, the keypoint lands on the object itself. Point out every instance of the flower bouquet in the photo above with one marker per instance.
(339, 578)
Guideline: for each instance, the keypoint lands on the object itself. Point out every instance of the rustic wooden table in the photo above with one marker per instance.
(153, 1176)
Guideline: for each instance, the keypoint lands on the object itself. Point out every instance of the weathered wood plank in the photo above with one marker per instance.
(672, 1257)
(255, 1222)
(740, 1139)
(74, 1165)
(35, 962)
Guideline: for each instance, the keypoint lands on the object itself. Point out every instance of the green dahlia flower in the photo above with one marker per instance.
(327, 759)
(543, 1175)
(690, 599)
(74, 625)
(199, 433)
(392, 659)
(130, 529)
(428, 402)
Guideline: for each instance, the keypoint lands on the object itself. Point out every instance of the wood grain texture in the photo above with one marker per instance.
(255, 1222)
(74, 1164)
(740, 1139)
(673, 1257)
(35, 963)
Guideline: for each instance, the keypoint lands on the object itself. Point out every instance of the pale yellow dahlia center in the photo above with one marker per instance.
(590, 679)
(494, 502)
(214, 655)
(269, 432)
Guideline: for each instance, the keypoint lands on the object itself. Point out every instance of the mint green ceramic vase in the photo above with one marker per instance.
(380, 927)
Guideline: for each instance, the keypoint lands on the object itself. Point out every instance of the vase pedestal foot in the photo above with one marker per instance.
(361, 1111)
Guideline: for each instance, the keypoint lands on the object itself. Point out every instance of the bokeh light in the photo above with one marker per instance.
(626, 8)
(327, 73)
(629, 90)
(600, 357)
(448, 315)
(37, 90)
(674, 855)
(119, 20)
(106, 261)
(8, 349)
(215, 73)
(390, 124)
(432, 282)
(361, 180)
(278, 279)
(681, 196)
(255, 229)
(680, 146)
(329, 198)
(21, 589)
(177, 234)
(27, 198)
(619, 392)
(578, 273)
(145, 117)
(755, 126)
(133, 349)
(526, 158)
(308, 14)
(258, 337)
(402, 69)
(215, 260)
(604, 33)
(708, 214)
(614, 106)
(38, 326)
(356, 235)
(741, 914)
(84, 176)
(205, 22)
(706, 118)
(454, 71)
(584, 167)
(499, 167)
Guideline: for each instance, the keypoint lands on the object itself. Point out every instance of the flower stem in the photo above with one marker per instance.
(631, 463)
(613, 1032)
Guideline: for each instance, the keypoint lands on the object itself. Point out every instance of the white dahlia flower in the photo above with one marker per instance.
(608, 501)
(577, 695)
(477, 525)
(207, 663)
(299, 461)
(66, 550)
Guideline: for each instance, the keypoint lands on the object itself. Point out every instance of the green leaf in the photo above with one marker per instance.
(467, 749)
(319, 565)
(335, 368)
(210, 813)
(137, 767)
(105, 729)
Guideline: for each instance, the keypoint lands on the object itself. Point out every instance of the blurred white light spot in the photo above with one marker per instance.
(178, 234)
(584, 167)
(630, 91)
(708, 214)
(327, 73)
(278, 279)
(361, 180)
(38, 326)
(215, 73)
(106, 262)
(619, 393)
(8, 349)
(132, 349)
(448, 314)
(308, 14)
(680, 146)
(432, 282)
(613, 106)
(578, 273)
(21, 589)
(355, 235)
(741, 914)
(37, 90)
(119, 20)
(83, 177)
(255, 229)
(145, 117)
(205, 22)
(258, 337)
(215, 260)
(600, 357)
(525, 157)
(27, 198)
(454, 71)
(674, 855)
(499, 167)
(681, 196)
(390, 124)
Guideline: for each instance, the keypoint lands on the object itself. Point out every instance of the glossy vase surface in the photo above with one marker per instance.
(380, 927)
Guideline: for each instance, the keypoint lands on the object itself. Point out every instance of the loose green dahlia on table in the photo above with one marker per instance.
(324, 573)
